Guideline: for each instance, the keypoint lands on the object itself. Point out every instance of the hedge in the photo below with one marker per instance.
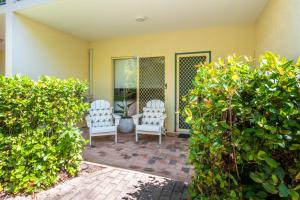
(245, 120)
(38, 134)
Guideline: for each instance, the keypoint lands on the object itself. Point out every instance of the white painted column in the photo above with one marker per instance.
(9, 43)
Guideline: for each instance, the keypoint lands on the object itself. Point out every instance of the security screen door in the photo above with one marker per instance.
(151, 80)
(185, 74)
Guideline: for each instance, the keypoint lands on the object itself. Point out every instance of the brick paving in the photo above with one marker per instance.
(168, 159)
(109, 183)
(146, 171)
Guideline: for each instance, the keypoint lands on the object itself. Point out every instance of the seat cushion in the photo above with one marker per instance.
(103, 129)
(148, 128)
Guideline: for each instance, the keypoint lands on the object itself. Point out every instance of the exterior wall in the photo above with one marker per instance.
(222, 41)
(278, 28)
(40, 50)
(2, 62)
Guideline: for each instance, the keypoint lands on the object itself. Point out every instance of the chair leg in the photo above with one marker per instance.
(136, 137)
(159, 142)
(90, 140)
(116, 138)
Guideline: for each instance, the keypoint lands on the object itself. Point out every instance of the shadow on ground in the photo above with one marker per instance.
(159, 190)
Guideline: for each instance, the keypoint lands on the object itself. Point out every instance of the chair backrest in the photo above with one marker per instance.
(100, 114)
(153, 112)
(155, 104)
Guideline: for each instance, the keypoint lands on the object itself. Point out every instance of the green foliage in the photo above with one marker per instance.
(245, 138)
(127, 94)
(38, 137)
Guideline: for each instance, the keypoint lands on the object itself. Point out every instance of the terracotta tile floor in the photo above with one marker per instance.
(168, 160)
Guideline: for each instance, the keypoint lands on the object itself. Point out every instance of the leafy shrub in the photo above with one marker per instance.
(38, 137)
(245, 138)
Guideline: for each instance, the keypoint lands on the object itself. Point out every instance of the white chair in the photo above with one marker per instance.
(101, 120)
(153, 119)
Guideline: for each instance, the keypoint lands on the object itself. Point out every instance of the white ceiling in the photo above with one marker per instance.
(98, 19)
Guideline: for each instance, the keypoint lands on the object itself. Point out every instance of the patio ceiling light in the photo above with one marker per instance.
(141, 18)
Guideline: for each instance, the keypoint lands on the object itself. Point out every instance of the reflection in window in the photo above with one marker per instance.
(125, 85)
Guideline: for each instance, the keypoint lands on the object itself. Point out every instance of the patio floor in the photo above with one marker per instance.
(167, 160)
(111, 183)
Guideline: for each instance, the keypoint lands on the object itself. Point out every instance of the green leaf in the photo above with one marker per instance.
(261, 155)
(294, 195)
(203, 137)
(232, 194)
(188, 112)
(283, 190)
(250, 194)
(250, 157)
(258, 177)
(280, 173)
(271, 162)
(297, 187)
(270, 188)
(246, 147)
(262, 194)
(294, 147)
(235, 77)
(225, 125)
(274, 179)
(18, 148)
(188, 119)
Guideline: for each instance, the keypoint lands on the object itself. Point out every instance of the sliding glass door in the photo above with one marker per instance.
(125, 90)
(137, 81)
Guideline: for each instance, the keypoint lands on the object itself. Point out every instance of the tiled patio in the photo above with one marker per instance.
(168, 159)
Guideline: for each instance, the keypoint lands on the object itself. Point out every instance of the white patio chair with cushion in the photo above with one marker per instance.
(153, 119)
(101, 120)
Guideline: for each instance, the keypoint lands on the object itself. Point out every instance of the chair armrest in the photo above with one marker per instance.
(162, 120)
(88, 121)
(136, 118)
(117, 119)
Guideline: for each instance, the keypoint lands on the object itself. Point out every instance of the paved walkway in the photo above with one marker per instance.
(112, 183)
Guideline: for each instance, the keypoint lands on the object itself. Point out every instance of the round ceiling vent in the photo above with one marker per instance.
(141, 18)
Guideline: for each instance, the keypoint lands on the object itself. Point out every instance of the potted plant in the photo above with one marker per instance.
(126, 124)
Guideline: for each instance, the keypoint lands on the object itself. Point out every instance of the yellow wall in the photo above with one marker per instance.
(278, 28)
(2, 62)
(221, 41)
(40, 50)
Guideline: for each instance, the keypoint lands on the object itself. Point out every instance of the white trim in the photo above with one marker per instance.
(9, 20)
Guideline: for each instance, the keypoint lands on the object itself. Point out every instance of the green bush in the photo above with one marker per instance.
(38, 138)
(245, 138)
